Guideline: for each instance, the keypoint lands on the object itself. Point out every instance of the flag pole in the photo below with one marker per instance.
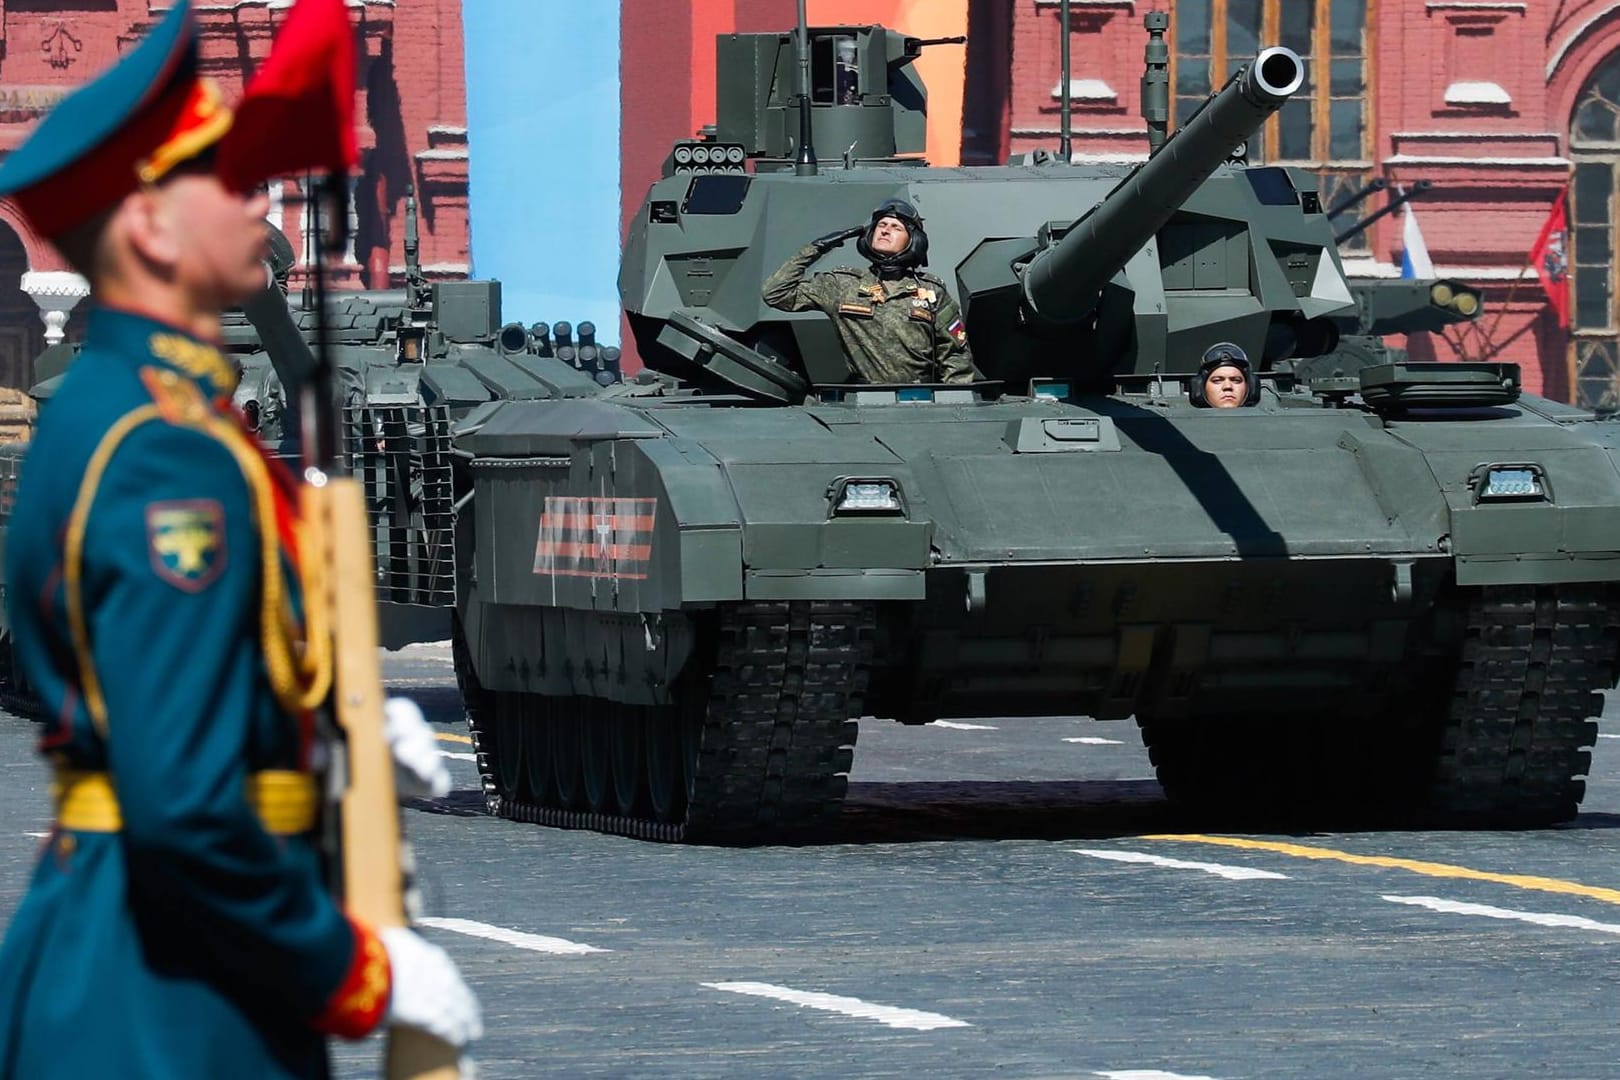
(1507, 301)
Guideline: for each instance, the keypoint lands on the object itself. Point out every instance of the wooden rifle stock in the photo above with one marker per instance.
(334, 512)
(373, 879)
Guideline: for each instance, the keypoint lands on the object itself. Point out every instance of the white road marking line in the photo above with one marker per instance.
(1539, 918)
(955, 726)
(1231, 873)
(1603, 736)
(532, 942)
(913, 1019)
(36, 835)
(453, 756)
(1094, 740)
(1148, 1074)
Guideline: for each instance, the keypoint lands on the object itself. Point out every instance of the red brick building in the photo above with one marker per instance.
(412, 112)
(1502, 106)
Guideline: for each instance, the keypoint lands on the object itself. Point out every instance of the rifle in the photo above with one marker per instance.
(337, 537)
(297, 114)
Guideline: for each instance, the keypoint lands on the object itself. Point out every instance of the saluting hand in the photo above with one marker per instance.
(833, 239)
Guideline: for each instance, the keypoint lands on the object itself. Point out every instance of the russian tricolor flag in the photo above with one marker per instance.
(1415, 261)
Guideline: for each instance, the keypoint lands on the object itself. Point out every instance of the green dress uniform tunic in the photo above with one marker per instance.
(895, 329)
(177, 924)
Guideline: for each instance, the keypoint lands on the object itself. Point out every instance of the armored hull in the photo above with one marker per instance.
(1306, 608)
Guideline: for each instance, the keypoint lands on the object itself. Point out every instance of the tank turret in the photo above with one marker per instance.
(1063, 282)
(1092, 274)
(1015, 304)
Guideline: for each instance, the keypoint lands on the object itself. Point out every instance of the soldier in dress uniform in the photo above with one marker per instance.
(176, 924)
(897, 321)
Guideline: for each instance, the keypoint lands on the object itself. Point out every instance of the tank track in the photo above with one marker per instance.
(777, 731)
(16, 696)
(1517, 736)
(1499, 738)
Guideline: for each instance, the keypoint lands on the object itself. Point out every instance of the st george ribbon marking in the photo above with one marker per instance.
(595, 537)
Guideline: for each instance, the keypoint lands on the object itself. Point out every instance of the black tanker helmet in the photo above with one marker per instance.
(916, 251)
(1225, 354)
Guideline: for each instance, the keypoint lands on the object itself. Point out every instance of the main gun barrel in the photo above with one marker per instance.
(289, 353)
(1063, 282)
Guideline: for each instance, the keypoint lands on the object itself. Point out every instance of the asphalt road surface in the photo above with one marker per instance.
(1008, 898)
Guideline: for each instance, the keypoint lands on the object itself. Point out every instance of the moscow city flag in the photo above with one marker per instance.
(297, 112)
(1550, 257)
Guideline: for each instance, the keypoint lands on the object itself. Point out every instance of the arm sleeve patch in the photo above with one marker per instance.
(185, 542)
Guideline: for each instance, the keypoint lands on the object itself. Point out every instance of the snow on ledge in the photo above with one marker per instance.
(1085, 90)
(1365, 266)
(1441, 159)
(1368, 267)
(1477, 93)
(1105, 158)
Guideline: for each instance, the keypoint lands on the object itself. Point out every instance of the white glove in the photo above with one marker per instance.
(429, 994)
(419, 769)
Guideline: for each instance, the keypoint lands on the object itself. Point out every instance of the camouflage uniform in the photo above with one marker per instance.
(900, 329)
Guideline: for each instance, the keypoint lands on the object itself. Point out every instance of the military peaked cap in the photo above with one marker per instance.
(131, 126)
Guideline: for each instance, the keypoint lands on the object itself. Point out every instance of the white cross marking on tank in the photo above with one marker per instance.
(604, 540)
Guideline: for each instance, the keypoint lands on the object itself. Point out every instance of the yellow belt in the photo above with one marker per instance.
(86, 802)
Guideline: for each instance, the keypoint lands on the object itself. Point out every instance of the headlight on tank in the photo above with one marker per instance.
(1510, 483)
(862, 495)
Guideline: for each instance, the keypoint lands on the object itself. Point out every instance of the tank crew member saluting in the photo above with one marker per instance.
(1225, 380)
(898, 323)
(176, 924)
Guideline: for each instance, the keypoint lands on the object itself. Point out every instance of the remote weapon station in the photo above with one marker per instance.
(1384, 589)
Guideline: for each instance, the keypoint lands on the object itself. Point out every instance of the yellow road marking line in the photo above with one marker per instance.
(1430, 869)
(445, 736)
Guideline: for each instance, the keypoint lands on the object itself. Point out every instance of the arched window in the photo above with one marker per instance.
(1326, 127)
(1594, 144)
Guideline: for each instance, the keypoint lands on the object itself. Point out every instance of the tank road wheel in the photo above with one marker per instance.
(1514, 743)
(597, 718)
(537, 762)
(672, 736)
(479, 704)
(755, 745)
(1225, 763)
(778, 737)
(627, 751)
(511, 725)
(565, 755)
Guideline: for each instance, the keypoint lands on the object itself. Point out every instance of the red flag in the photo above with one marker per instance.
(298, 111)
(1550, 257)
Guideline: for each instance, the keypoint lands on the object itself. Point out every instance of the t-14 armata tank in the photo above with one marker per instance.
(1396, 599)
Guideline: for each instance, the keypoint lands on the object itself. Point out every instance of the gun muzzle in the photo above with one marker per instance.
(513, 338)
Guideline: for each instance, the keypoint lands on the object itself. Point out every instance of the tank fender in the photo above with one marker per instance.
(1563, 529)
